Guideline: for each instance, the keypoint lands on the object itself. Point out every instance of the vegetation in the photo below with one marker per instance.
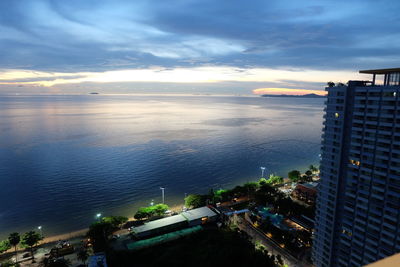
(14, 240)
(83, 256)
(4, 246)
(31, 239)
(287, 238)
(148, 212)
(195, 201)
(9, 263)
(294, 175)
(115, 221)
(99, 233)
(210, 247)
(275, 179)
(313, 169)
(268, 195)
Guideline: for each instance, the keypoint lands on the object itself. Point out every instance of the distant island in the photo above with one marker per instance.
(302, 96)
(93, 93)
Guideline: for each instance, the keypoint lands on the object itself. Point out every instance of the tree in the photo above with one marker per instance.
(99, 233)
(251, 187)
(14, 240)
(262, 181)
(265, 194)
(83, 255)
(194, 201)
(160, 209)
(275, 179)
(294, 175)
(313, 169)
(4, 246)
(330, 84)
(141, 214)
(31, 239)
(147, 212)
(115, 221)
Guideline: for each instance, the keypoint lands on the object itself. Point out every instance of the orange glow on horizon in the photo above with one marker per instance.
(286, 91)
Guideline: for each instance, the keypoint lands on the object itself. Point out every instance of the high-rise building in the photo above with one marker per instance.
(358, 202)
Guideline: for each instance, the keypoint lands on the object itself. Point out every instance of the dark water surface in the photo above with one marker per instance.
(65, 158)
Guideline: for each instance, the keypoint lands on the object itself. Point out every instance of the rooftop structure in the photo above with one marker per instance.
(188, 218)
(195, 214)
(161, 223)
(391, 76)
(306, 192)
(358, 202)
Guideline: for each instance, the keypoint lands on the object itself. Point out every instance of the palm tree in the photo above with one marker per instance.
(83, 255)
(14, 239)
(31, 239)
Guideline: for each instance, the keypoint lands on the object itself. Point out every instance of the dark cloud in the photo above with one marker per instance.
(73, 36)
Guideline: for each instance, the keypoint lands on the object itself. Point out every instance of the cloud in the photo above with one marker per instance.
(103, 36)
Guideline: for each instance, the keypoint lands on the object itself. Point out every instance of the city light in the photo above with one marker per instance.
(262, 171)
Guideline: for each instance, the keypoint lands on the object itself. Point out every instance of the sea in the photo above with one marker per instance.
(65, 158)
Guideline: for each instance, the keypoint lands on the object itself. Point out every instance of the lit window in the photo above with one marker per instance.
(355, 162)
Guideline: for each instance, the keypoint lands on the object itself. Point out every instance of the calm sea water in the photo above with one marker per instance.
(65, 158)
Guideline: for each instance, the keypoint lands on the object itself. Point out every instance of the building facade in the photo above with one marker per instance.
(358, 202)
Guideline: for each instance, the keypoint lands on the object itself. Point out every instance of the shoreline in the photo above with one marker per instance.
(82, 232)
(76, 234)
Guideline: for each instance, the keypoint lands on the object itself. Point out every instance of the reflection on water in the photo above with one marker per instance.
(65, 158)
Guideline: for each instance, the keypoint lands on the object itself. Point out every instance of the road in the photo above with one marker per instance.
(270, 245)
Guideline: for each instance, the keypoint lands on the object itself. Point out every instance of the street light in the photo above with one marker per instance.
(152, 203)
(98, 216)
(40, 230)
(262, 171)
(162, 194)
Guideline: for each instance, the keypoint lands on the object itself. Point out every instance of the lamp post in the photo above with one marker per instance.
(262, 171)
(98, 216)
(162, 194)
(152, 203)
(40, 230)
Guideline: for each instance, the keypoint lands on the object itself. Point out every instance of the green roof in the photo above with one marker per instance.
(162, 238)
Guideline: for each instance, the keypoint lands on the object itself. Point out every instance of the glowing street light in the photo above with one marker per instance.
(152, 203)
(98, 216)
(162, 194)
(40, 230)
(262, 171)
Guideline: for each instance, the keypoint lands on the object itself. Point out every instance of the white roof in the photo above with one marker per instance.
(159, 223)
(198, 213)
(189, 215)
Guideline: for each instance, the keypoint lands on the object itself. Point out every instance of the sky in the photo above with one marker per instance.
(193, 46)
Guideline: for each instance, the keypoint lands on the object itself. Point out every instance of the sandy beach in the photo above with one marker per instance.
(82, 232)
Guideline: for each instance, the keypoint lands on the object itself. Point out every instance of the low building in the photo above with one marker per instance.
(160, 226)
(306, 192)
(172, 223)
(199, 216)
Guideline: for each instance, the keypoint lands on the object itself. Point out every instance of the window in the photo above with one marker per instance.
(355, 162)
